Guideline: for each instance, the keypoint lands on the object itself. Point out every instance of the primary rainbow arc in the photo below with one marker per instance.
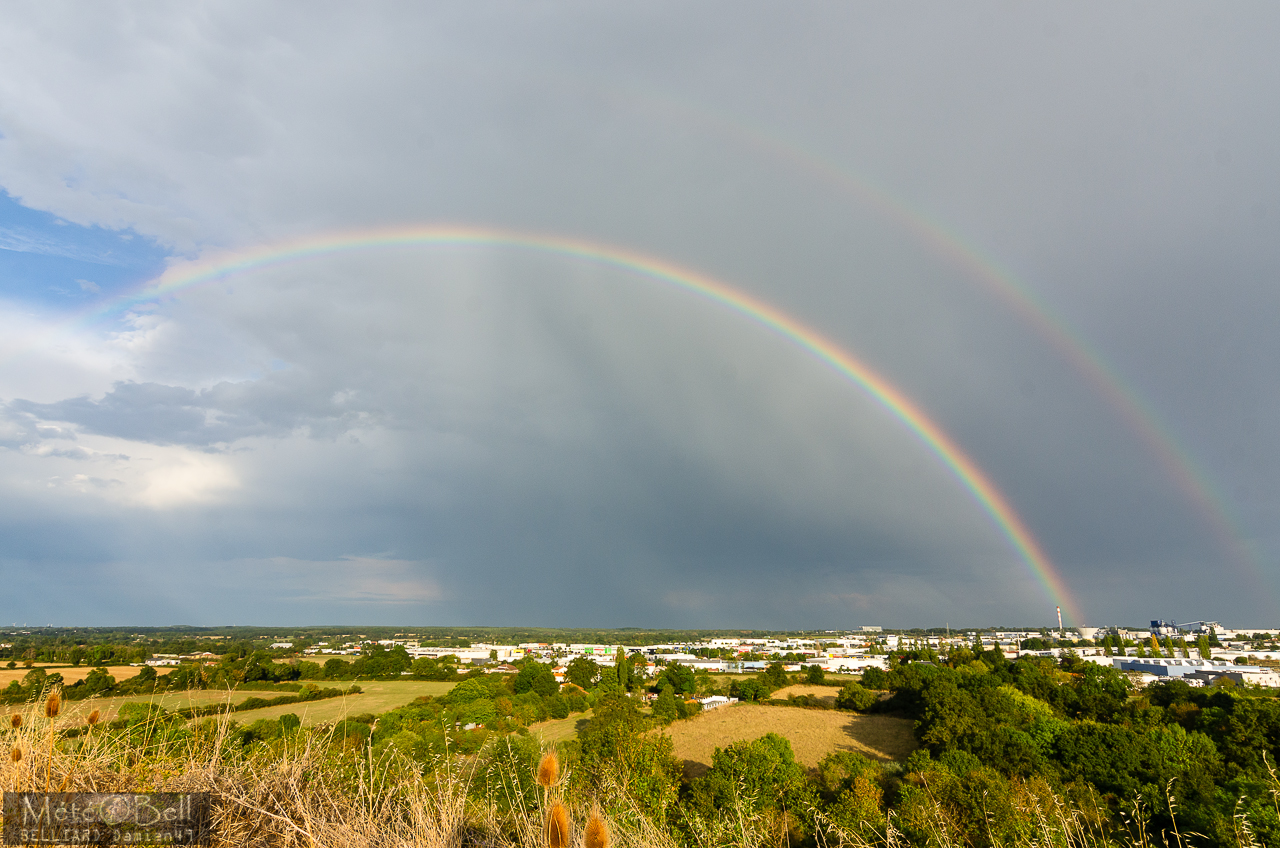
(993, 502)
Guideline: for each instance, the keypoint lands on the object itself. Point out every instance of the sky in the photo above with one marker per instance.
(731, 315)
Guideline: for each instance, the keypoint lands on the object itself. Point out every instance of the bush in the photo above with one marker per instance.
(854, 697)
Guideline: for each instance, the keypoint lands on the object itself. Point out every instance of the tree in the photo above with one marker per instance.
(622, 668)
(762, 773)
(1203, 646)
(535, 677)
(258, 667)
(666, 708)
(583, 672)
(774, 676)
(98, 681)
(679, 677)
(854, 697)
(748, 690)
(815, 674)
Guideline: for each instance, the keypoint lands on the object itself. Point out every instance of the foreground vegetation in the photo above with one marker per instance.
(1026, 753)
(1013, 753)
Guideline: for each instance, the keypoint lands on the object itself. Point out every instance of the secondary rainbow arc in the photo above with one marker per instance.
(967, 472)
(1181, 468)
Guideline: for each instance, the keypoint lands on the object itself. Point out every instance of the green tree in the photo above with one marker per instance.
(774, 676)
(815, 674)
(854, 697)
(98, 681)
(535, 677)
(622, 669)
(762, 774)
(470, 689)
(615, 718)
(748, 690)
(679, 677)
(1203, 647)
(583, 672)
(666, 708)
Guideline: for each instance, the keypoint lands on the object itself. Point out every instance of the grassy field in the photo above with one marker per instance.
(826, 694)
(378, 696)
(75, 712)
(70, 674)
(560, 729)
(813, 733)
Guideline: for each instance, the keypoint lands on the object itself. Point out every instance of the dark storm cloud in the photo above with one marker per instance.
(518, 433)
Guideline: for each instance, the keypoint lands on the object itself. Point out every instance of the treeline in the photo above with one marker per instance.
(999, 741)
(990, 728)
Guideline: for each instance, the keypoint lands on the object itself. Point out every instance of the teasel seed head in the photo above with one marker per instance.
(597, 835)
(558, 826)
(15, 721)
(53, 706)
(93, 718)
(16, 755)
(548, 769)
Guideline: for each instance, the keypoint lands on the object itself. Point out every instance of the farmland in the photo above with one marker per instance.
(813, 733)
(375, 697)
(825, 694)
(560, 729)
(70, 674)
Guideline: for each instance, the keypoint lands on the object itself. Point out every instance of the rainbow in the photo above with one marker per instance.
(881, 390)
(1177, 464)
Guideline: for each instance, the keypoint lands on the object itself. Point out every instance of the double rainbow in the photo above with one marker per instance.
(1010, 525)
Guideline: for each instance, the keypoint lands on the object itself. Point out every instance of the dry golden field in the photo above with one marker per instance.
(72, 674)
(826, 694)
(813, 733)
(378, 696)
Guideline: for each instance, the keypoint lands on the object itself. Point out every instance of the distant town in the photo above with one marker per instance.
(1199, 652)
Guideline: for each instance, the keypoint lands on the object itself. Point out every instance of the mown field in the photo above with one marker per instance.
(812, 733)
(378, 696)
(71, 674)
(560, 729)
(825, 694)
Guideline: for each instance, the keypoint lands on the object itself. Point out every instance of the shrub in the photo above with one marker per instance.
(854, 697)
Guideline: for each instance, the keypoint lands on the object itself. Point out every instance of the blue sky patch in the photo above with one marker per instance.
(47, 261)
